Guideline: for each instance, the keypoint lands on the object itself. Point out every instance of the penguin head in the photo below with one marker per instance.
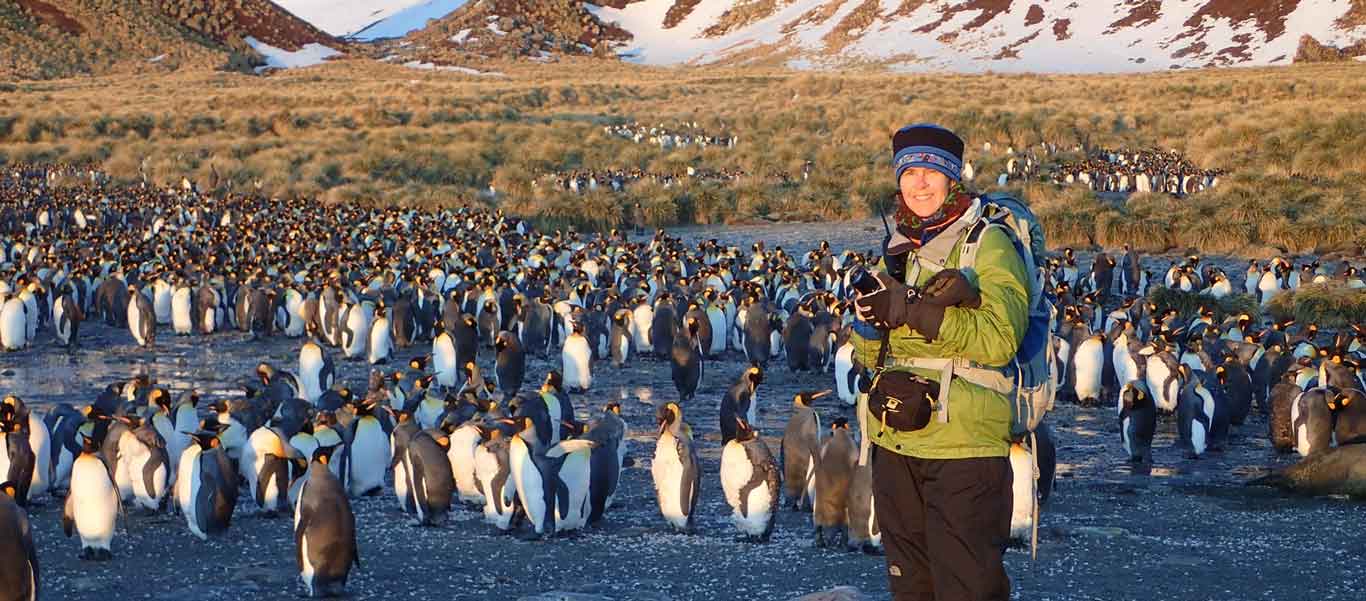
(323, 455)
(420, 363)
(755, 375)
(613, 408)
(8, 488)
(554, 381)
(206, 439)
(667, 415)
(743, 431)
(840, 424)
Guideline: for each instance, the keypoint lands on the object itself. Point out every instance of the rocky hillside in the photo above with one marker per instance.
(537, 29)
(44, 39)
(958, 35)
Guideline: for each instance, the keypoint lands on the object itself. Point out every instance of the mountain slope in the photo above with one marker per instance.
(367, 20)
(59, 38)
(979, 35)
(526, 28)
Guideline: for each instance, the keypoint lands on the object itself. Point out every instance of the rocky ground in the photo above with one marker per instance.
(1184, 529)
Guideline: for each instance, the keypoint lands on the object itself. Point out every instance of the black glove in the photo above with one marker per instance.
(892, 306)
(950, 288)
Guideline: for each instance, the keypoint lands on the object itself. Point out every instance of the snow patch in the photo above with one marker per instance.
(279, 58)
(451, 68)
(459, 38)
(359, 18)
(413, 16)
(156, 59)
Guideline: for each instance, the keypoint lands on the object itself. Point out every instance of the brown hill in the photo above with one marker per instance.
(517, 28)
(45, 39)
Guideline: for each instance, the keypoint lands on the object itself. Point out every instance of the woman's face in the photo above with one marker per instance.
(923, 190)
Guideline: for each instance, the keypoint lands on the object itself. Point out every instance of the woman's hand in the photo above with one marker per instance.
(950, 288)
(885, 307)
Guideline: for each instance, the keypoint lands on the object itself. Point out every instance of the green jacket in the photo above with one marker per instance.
(980, 418)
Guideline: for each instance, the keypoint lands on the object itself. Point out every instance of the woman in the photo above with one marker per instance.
(942, 485)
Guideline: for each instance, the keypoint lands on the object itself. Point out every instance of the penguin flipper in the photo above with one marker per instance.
(68, 517)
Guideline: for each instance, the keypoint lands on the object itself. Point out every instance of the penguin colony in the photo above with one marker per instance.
(467, 296)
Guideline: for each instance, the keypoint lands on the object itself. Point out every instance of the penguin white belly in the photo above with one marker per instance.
(641, 319)
(575, 474)
(401, 492)
(41, 442)
(60, 324)
(262, 441)
(123, 477)
(369, 457)
(161, 302)
(306, 569)
(137, 459)
(775, 343)
(1302, 445)
(1124, 433)
(736, 471)
(187, 488)
(718, 328)
(294, 308)
(182, 313)
(94, 502)
(667, 470)
(443, 360)
(13, 325)
(464, 443)
(529, 485)
(498, 504)
(1158, 374)
(359, 323)
(135, 322)
(310, 369)
(844, 364)
(1064, 353)
(1089, 361)
(381, 344)
(575, 357)
(1022, 490)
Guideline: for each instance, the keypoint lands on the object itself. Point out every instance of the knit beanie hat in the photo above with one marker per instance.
(929, 146)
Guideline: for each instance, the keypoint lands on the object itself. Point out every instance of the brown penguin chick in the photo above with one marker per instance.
(864, 533)
(834, 472)
(801, 443)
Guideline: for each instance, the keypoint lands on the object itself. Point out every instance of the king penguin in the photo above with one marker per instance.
(1137, 421)
(608, 459)
(576, 358)
(381, 336)
(67, 317)
(206, 488)
(368, 450)
(324, 530)
(740, 401)
(749, 478)
(494, 473)
(675, 470)
(18, 555)
(142, 322)
(686, 361)
(316, 370)
(93, 503)
(509, 364)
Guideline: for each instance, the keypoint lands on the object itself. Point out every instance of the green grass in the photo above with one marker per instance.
(1330, 304)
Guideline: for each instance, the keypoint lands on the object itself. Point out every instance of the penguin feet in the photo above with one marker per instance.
(93, 554)
(820, 538)
(871, 549)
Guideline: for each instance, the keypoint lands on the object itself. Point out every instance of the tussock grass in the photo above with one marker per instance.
(363, 131)
(1330, 304)
(1188, 304)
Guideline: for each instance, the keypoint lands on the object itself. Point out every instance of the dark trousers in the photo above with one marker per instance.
(945, 524)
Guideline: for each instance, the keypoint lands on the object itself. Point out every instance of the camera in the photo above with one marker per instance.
(864, 281)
